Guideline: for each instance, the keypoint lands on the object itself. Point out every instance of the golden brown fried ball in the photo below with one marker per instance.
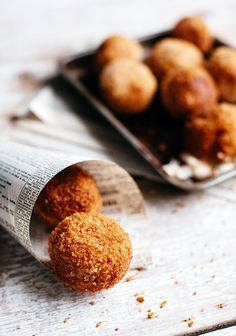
(117, 46)
(171, 53)
(195, 30)
(188, 91)
(212, 137)
(222, 65)
(128, 86)
(89, 252)
(72, 190)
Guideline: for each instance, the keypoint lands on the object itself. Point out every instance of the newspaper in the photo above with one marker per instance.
(25, 170)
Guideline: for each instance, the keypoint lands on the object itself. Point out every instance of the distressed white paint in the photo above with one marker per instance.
(193, 236)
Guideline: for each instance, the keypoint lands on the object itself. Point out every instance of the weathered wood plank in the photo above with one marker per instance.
(193, 236)
(193, 270)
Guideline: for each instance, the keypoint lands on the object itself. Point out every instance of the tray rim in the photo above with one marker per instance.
(141, 148)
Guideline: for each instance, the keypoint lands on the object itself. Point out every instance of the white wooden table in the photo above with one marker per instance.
(193, 275)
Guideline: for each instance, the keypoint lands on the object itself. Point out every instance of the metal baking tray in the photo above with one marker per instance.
(155, 136)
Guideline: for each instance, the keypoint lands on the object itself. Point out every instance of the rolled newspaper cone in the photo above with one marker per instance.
(24, 172)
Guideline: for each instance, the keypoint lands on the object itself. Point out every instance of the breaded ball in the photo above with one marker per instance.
(128, 86)
(212, 137)
(188, 91)
(117, 46)
(222, 65)
(89, 252)
(72, 190)
(171, 53)
(195, 30)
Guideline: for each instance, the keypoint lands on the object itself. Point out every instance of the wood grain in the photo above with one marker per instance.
(193, 270)
(193, 236)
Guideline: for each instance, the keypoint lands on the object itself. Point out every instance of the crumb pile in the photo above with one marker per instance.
(72, 190)
(89, 252)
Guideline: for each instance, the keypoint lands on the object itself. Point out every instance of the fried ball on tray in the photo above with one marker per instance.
(212, 137)
(117, 46)
(188, 91)
(72, 190)
(89, 252)
(222, 65)
(128, 86)
(171, 53)
(195, 30)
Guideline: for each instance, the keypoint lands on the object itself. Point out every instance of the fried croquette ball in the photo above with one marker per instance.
(128, 86)
(222, 65)
(117, 46)
(72, 190)
(195, 30)
(212, 137)
(171, 53)
(188, 91)
(89, 252)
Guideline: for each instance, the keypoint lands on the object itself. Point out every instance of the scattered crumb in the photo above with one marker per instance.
(140, 299)
(211, 260)
(92, 303)
(213, 276)
(194, 293)
(220, 305)
(163, 304)
(180, 204)
(150, 314)
(116, 329)
(130, 278)
(176, 282)
(99, 324)
(189, 321)
(66, 319)
(141, 268)
(202, 310)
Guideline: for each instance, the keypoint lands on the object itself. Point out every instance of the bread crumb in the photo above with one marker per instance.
(189, 321)
(130, 278)
(66, 319)
(116, 329)
(220, 305)
(140, 299)
(141, 268)
(99, 324)
(92, 303)
(180, 204)
(150, 314)
(202, 310)
(163, 304)
(194, 293)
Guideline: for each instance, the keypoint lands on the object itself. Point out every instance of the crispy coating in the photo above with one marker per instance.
(188, 91)
(222, 65)
(171, 53)
(117, 46)
(89, 252)
(212, 137)
(128, 86)
(195, 30)
(72, 190)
